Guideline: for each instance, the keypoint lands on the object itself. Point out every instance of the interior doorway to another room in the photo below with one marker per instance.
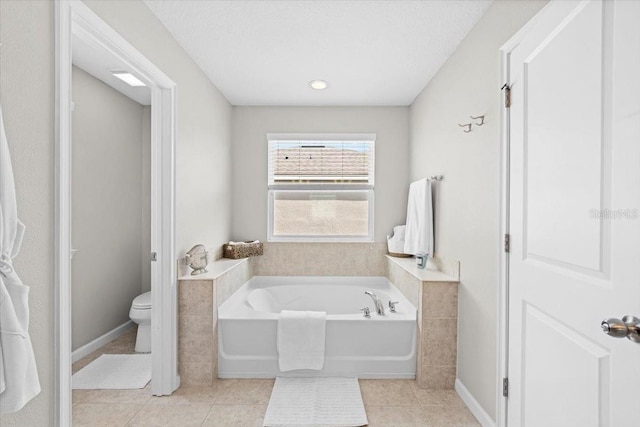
(78, 27)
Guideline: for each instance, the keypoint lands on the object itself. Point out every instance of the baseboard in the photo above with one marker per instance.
(474, 406)
(100, 341)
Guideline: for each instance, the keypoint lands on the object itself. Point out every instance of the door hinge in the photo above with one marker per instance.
(505, 387)
(506, 242)
(507, 95)
(154, 256)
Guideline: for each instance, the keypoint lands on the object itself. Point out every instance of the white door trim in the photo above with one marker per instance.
(503, 257)
(74, 17)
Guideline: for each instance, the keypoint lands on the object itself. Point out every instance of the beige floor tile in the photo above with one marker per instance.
(450, 416)
(103, 414)
(387, 392)
(437, 397)
(396, 416)
(85, 361)
(236, 416)
(138, 397)
(162, 415)
(244, 391)
(124, 344)
(243, 402)
(189, 395)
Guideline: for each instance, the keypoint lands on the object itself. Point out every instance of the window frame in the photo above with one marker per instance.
(273, 189)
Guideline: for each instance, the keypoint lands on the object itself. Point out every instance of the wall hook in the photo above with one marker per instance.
(467, 126)
(481, 120)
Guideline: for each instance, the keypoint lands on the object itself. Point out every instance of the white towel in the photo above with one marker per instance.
(395, 243)
(300, 341)
(419, 231)
(18, 375)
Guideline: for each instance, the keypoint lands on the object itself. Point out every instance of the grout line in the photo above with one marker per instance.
(137, 412)
(207, 416)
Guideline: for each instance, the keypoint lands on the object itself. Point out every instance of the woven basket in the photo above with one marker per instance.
(242, 251)
(397, 255)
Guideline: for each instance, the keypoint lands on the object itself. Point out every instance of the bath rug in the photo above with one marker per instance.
(114, 371)
(299, 402)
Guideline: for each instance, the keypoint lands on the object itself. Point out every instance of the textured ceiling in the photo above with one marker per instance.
(370, 52)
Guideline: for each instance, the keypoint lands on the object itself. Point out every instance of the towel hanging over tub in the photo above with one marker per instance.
(300, 340)
(419, 231)
(18, 374)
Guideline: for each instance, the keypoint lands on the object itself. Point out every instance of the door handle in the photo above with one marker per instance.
(628, 327)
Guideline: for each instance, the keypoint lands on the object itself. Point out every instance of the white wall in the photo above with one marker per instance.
(249, 179)
(467, 201)
(27, 96)
(107, 198)
(203, 154)
(27, 84)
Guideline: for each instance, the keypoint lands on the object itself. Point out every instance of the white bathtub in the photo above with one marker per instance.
(378, 347)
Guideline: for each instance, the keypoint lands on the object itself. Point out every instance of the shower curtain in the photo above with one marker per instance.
(19, 381)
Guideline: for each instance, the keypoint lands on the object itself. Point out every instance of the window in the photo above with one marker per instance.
(321, 187)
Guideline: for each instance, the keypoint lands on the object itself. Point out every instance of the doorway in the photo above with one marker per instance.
(110, 216)
(74, 20)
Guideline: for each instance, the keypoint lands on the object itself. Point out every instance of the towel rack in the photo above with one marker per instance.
(435, 178)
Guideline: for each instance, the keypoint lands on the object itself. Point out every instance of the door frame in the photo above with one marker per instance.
(72, 17)
(503, 257)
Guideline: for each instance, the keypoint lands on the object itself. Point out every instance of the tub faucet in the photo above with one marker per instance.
(377, 302)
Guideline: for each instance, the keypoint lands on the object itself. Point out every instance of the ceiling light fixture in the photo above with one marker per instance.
(318, 84)
(128, 78)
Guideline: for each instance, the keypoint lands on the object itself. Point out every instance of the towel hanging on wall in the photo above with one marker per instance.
(419, 231)
(19, 381)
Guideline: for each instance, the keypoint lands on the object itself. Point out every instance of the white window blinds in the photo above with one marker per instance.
(321, 161)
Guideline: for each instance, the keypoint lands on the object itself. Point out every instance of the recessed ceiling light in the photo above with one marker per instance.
(318, 84)
(128, 78)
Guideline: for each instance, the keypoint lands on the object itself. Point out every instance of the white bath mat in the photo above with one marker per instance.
(298, 402)
(114, 371)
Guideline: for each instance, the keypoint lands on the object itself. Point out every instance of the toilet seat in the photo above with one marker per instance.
(142, 302)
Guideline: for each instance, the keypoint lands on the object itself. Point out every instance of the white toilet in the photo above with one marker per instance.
(141, 314)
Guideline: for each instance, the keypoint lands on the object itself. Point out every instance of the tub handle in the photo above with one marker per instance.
(392, 306)
(367, 313)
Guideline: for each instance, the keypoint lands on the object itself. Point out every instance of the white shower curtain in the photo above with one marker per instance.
(18, 374)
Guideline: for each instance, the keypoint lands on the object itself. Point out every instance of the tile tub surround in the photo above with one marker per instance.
(435, 293)
(321, 259)
(198, 300)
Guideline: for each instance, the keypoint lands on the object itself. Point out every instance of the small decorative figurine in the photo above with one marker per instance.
(197, 258)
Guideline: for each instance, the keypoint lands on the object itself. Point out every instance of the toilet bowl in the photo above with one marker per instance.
(141, 314)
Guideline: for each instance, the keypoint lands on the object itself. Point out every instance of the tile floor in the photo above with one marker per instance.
(243, 403)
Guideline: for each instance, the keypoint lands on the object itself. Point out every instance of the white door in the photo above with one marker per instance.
(574, 216)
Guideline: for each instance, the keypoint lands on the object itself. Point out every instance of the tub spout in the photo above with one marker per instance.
(377, 302)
